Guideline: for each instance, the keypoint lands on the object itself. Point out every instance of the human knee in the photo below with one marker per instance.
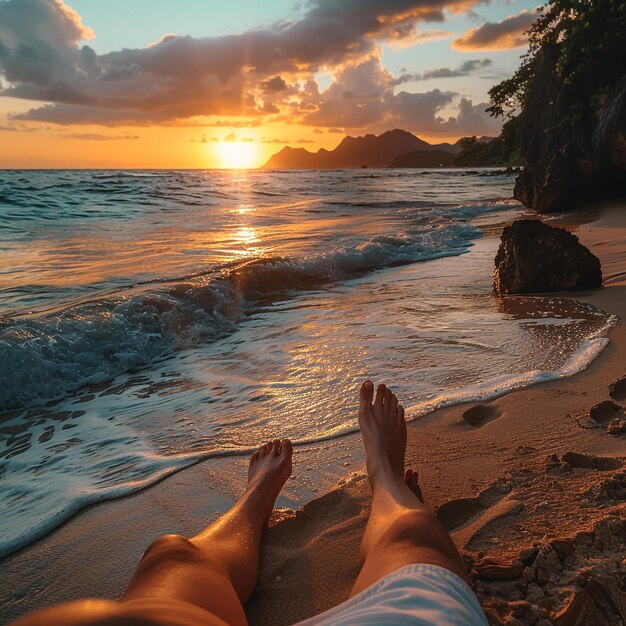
(172, 548)
(412, 526)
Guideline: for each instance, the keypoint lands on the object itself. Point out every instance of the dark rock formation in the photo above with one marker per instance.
(569, 161)
(486, 153)
(369, 150)
(536, 258)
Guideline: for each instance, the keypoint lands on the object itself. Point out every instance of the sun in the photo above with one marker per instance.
(236, 154)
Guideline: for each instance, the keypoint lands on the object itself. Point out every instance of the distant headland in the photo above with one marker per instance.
(394, 148)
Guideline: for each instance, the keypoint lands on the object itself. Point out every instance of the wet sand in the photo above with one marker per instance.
(531, 486)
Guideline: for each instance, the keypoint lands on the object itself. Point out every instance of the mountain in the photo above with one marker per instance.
(369, 150)
(486, 152)
(425, 158)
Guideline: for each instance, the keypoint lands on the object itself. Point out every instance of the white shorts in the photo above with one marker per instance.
(420, 593)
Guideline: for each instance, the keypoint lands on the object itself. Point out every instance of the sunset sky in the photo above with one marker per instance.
(201, 83)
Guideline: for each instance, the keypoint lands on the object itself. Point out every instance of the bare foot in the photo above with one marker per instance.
(411, 479)
(384, 432)
(270, 467)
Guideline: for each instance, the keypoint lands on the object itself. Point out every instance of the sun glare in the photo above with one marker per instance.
(236, 154)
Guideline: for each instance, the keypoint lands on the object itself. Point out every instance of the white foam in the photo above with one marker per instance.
(28, 522)
(47, 358)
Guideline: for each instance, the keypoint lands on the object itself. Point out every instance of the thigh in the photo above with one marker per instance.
(147, 612)
(173, 569)
(413, 537)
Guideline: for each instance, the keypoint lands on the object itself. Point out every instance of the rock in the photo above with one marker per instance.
(564, 548)
(606, 464)
(591, 606)
(609, 136)
(617, 426)
(617, 389)
(495, 570)
(534, 257)
(528, 555)
(604, 410)
(543, 576)
(569, 164)
(577, 459)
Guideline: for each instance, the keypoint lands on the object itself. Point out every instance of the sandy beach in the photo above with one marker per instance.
(531, 486)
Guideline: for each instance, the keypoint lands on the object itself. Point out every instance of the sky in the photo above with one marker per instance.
(203, 84)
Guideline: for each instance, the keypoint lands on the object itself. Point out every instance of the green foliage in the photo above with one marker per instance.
(590, 38)
(495, 152)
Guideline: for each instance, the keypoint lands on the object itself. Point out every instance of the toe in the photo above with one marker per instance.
(276, 447)
(393, 404)
(400, 412)
(263, 452)
(414, 480)
(407, 476)
(286, 447)
(366, 394)
(387, 398)
(380, 394)
(254, 458)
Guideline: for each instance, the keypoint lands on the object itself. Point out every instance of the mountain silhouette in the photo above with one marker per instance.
(366, 151)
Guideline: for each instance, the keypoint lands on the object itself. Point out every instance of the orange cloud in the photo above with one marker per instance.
(509, 33)
(181, 76)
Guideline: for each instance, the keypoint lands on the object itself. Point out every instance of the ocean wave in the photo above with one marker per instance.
(46, 358)
(31, 523)
(121, 175)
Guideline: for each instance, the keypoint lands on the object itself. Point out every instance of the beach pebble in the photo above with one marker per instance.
(617, 426)
(564, 548)
(578, 460)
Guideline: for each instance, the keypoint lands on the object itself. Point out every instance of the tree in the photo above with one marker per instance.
(590, 38)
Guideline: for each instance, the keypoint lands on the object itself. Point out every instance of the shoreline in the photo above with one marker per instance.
(501, 508)
(302, 548)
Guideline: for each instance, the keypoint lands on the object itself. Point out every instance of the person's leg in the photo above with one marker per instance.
(204, 580)
(400, 530)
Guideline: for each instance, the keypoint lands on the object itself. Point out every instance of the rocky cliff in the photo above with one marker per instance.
(571, 155)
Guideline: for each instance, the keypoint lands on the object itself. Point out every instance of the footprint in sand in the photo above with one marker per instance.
(617, 389)
(465, 518)
(481, 414)
(607, 415)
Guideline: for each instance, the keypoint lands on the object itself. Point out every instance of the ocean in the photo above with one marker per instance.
(151, 319)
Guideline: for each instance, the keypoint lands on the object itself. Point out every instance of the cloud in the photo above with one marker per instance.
(99, 137)
(38, 42)
(468, 67)
(509, 33)
(363, 96)
(286, 141)
(418, 37)
(179, 77)
(274, 84)
(471, 119)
